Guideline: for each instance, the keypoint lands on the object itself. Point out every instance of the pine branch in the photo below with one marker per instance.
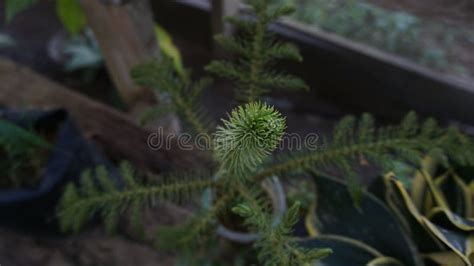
(382, 146)
(285, 51)
(194, 232)
(275, 245)
(250, 134)
(258, 51)
(233, 44)
(183, 93)
(156, 112)
(78, 205)
(187, 236)
(281, 81)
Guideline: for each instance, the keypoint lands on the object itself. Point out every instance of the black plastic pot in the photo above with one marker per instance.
(33, 209)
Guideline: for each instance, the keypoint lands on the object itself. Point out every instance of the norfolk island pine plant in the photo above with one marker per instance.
(241, 148)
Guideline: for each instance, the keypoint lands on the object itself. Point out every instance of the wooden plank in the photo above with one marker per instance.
(119, 136)
(125, 32)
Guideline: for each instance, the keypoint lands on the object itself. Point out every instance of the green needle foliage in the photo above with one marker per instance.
(276, 245)
(242, 147)
(273, 247)
(184, 95)
(258, 51)
(102, 195)
(353, 142)
(249, 136)
(256, 127)
(195, 231)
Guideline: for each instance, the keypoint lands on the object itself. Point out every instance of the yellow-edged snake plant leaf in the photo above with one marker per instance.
(348, 251)
(450, 220)
(450, 232)
(398, 200)
(457, 193)
(371, 223)
(443, 258)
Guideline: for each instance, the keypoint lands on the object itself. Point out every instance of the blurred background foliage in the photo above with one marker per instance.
(428, 42)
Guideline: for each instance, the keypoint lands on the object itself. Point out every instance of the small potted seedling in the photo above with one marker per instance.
(24, 154)
(39, 152)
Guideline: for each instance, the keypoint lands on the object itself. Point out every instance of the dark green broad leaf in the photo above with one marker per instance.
(451, 221)
(465, 172)
(347, 251)
(371, 222)
(453, 238)
(455, 192)
(412, 224)
(460, 243)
